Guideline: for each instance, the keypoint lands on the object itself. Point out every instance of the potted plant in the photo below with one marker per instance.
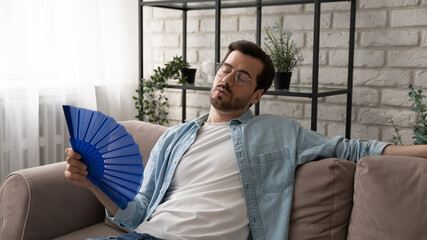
(284, 54)
(188, 75)
(150, 101)
(420, 127)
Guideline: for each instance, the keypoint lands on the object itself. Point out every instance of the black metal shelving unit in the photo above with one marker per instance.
(314, 92)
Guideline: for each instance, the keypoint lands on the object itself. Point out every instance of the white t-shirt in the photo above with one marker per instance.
(205, 199)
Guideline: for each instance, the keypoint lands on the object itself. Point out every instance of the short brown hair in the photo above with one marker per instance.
(265, 78)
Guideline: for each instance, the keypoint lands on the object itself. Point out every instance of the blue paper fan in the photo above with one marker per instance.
(112, 157)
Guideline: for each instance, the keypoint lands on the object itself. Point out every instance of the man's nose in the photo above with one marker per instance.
(229, 79)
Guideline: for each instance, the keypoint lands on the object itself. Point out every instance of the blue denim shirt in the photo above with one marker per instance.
(268, 149)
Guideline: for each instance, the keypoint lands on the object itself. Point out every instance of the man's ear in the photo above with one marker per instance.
(256, 96)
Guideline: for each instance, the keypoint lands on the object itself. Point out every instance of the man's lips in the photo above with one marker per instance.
(223, 90)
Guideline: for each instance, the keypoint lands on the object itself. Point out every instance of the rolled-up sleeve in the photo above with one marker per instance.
(314, 146)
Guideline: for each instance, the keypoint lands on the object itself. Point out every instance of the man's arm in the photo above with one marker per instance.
(76, 173)
(411, 151)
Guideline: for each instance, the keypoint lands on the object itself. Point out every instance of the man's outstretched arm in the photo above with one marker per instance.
(76, 173)
(411, 151)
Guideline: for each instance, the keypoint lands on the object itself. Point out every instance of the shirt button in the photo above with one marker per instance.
(192, 136)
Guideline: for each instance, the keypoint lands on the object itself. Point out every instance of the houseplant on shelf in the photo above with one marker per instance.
(284, 54)
(150, 101)
(420, 127)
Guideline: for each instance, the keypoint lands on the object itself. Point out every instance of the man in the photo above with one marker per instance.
(227, 174)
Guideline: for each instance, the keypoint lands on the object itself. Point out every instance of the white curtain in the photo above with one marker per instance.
(55, 52)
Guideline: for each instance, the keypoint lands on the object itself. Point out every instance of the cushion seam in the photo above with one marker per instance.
(333, 200)
(378, 232)
(28, 205)
(356, 190)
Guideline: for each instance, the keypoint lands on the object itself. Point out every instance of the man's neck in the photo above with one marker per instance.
(216, 116)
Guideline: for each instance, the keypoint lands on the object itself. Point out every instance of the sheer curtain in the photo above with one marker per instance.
(55, 52)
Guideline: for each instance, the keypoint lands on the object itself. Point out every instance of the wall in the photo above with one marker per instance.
(390, 53)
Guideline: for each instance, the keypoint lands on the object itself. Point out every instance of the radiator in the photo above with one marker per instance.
(45, 145)
(53, 132)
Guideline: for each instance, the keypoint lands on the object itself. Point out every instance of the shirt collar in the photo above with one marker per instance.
(201, 120)
(244, 118)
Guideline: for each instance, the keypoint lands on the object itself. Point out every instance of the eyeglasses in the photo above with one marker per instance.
(241, 78)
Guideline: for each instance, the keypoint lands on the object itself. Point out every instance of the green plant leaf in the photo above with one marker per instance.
(282, 49)
(151, 91)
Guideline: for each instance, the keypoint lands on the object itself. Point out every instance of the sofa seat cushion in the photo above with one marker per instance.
(390, 199)
(322, 200)
(99, 230)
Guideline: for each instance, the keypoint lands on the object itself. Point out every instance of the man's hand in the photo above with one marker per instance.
(76, 171)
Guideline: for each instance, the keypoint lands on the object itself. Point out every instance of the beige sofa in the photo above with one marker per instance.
(379, 198)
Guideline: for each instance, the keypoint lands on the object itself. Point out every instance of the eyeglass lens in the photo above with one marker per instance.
(241, 78)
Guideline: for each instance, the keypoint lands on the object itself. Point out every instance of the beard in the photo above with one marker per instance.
(228, 103)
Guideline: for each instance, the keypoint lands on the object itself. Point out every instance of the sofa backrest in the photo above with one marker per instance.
(390, 194)
(145, 135)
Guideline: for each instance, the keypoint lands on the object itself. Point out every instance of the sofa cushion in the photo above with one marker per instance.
(99, 230)
(145, 135)
(390, 199)
(112, 224)
(322, 200)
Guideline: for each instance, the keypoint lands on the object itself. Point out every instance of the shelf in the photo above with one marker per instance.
(292, 92)
(314, 92)
(210, 4)
(307, 92)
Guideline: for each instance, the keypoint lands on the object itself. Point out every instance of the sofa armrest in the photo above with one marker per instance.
(39, 203)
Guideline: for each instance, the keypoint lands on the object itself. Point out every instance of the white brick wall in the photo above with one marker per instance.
(381, 39)
(387, 3)
(390, 53)
(409, 18)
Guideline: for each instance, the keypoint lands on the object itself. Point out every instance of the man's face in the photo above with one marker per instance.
(226, 95)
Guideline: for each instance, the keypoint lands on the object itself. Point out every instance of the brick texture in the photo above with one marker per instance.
(390, 53)
(387, 3)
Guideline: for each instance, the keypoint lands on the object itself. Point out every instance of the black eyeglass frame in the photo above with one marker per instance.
(218, 67)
